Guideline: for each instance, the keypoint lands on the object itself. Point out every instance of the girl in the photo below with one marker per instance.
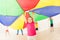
(31, 31)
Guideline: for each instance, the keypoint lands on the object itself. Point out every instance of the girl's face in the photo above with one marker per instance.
(29, 20)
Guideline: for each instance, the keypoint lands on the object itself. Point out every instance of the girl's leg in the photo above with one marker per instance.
(22, 31)
(17, 32)
(31, 37)
(52, 29)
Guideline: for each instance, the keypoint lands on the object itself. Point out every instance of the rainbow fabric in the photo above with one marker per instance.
(11, 13)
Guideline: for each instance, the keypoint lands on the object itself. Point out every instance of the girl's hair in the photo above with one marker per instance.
(30, 17)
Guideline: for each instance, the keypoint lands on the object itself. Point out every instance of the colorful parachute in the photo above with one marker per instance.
(11, 11)
(44, 3)
(27, 4)
(19, 23)
(37, 17)
(48, 11)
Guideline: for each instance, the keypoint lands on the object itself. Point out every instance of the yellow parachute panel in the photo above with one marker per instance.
(18, 24)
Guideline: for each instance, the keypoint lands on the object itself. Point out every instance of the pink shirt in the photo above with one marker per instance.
(31, 29)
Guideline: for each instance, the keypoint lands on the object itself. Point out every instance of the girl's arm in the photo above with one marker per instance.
(25, 19)
(25, 22)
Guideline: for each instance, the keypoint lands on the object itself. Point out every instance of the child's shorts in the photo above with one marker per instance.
(51, 25)
(36, 28)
